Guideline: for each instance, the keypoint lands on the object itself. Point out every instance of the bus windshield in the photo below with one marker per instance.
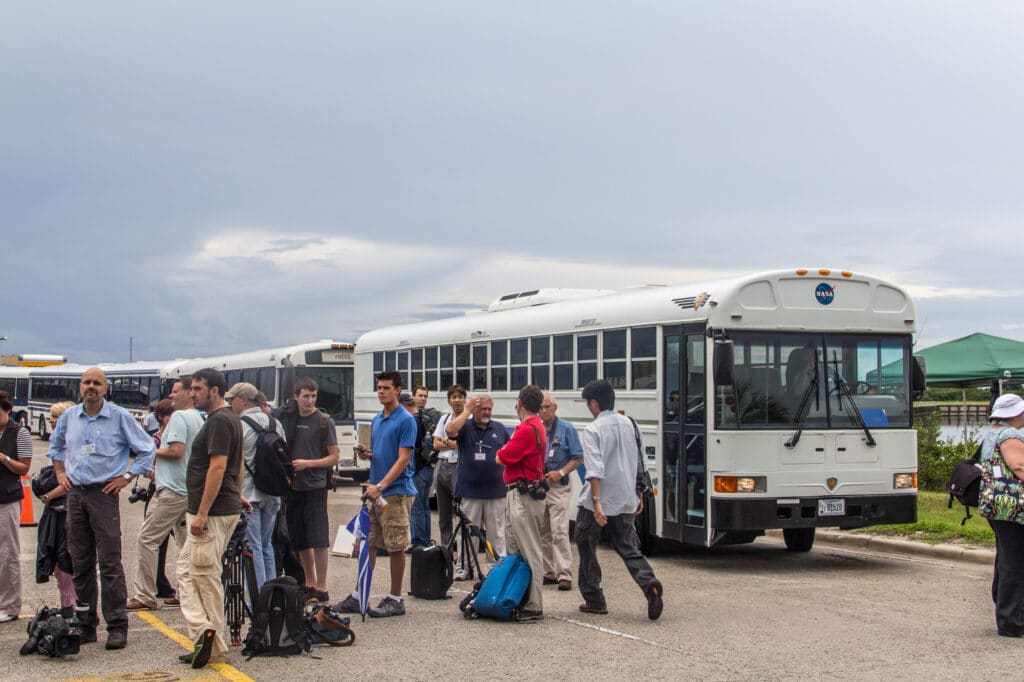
(334, 392)
(786, 380)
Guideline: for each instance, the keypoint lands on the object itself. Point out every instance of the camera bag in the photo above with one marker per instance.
(431, 574)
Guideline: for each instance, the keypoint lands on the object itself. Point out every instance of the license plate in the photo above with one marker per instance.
(347, 462)
(832, 507)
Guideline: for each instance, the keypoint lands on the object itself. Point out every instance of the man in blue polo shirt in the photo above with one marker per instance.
(393, 435)
(90, 449)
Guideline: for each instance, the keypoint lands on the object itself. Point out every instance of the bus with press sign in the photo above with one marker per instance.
(772, 400)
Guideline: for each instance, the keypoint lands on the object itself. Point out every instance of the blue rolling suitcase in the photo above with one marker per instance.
(504, 589)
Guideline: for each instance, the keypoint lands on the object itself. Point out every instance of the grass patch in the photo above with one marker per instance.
(936, 524)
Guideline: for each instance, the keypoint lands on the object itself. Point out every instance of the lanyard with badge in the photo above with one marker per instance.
(479, 455)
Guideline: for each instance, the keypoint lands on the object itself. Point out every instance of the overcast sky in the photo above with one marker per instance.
(218, 177)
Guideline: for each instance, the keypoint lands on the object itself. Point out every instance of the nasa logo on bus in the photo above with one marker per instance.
(825, 293)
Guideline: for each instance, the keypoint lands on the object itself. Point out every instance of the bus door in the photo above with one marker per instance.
(683, 463)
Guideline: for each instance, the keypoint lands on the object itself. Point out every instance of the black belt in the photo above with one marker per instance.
(90, 486)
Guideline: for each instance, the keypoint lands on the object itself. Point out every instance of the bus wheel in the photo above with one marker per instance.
(798, 539)
(43, 435)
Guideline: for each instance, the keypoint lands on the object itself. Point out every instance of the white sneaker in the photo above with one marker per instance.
(6, 617)
(460, 574)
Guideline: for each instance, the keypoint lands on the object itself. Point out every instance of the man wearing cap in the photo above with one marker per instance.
(564, 455)
(90, 449)
(423, 466)
(167, 508)
(313, 443)
(259, 530)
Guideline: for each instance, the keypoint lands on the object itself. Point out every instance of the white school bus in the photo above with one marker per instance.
(769, 400)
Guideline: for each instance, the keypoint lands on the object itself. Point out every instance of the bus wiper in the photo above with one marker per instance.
(801, 411)
(846, 396)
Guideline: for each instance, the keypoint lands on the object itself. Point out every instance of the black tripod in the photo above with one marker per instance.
(472, 538)
(238, 576)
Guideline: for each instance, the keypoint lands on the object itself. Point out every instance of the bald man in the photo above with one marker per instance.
(90, 449)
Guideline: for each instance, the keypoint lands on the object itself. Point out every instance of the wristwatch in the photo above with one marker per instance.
(128, 477)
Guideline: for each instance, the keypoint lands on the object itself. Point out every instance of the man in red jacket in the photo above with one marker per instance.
(523, 458)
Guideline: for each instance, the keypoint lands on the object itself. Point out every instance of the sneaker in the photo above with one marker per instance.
(173, 601)
(528, 616)
(550, 581)
(388, 607)
(460, 574)
(564, 585)
(654, 603)
(137, 605)
(7, 617)
(87, 635)
(594, 607)
(204, 647)
(322, 596)
(117, 639)
(348, 605)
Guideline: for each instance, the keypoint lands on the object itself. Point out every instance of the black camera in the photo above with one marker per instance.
(140, 494)
(53, 632)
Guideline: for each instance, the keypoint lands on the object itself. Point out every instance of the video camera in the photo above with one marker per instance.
(140, 494)
(53, 632)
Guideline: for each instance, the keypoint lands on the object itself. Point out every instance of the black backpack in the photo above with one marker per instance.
(279, 626)
(965, 484)
(271, 470)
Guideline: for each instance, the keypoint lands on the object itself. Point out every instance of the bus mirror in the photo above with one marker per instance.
(723, 362)
(918, 377)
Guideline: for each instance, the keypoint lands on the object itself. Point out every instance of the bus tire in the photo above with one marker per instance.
(43, 435)
(798, 539)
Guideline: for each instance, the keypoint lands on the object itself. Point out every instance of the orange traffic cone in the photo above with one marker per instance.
(28, 517)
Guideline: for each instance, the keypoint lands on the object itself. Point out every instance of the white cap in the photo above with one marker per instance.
(1007, 406)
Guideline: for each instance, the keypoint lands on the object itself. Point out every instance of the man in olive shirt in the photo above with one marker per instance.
(214, 504)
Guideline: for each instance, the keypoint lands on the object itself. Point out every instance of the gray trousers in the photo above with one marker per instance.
(444, 486)
(625, 541)
(94, 534)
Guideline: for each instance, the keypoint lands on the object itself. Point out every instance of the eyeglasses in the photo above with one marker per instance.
(546, 407)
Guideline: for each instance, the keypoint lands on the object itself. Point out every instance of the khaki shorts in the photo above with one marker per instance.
(389, 527)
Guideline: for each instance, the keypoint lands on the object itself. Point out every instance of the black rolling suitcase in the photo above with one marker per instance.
(431, 573)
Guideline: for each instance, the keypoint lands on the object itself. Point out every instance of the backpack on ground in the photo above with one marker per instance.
(271, 470)
(279, 626)
(327, 626)
(965, 484)
(432, 572)
(502, 592)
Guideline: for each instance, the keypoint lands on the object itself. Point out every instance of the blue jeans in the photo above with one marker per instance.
(260, 534)
(419, 518)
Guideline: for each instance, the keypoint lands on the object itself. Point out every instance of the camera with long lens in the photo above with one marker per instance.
(142, 494)
(53, 632)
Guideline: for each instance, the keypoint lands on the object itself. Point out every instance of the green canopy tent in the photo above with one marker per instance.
(974, 360)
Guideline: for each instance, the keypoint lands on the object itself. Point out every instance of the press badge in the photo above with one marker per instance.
(997, 471)
(89, 449)
(480, 455)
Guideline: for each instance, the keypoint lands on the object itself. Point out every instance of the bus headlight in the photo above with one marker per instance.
(904, 481)
(740, 484)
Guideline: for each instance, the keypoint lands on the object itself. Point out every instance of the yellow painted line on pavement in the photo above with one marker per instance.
(226, 670)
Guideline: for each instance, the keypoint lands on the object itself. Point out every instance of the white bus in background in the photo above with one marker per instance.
(733, 444)
(274, 371)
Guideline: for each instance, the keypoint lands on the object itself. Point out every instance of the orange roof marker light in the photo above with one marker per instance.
(801, 272)
(824, 273)
(846, 273)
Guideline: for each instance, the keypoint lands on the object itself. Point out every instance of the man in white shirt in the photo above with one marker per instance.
(609, 500)
(447, 464)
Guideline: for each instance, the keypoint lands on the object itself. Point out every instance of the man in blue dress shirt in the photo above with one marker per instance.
(90, 449)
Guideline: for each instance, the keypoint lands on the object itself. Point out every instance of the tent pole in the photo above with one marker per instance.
(963, 402)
